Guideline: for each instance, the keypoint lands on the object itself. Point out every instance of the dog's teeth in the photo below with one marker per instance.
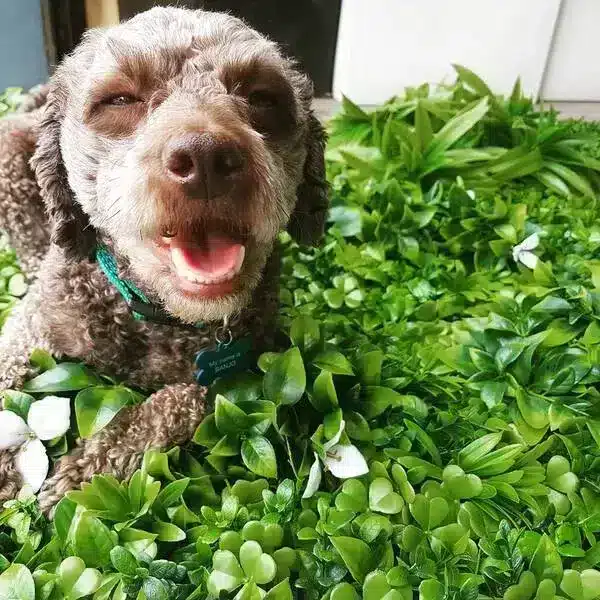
(195, 277)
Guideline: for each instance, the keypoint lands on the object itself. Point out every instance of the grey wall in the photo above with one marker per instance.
(22, 58)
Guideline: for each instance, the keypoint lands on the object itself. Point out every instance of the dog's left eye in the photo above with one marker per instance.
(262, 99)
(121, 100)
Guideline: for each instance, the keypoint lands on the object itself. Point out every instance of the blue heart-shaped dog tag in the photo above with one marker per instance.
(223, 360)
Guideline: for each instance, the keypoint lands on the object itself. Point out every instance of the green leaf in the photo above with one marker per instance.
(357, 556)
(17, 402)
(357, 427)
(155, 589)
(353, 496)
(63, 517)
(334, 298)
(228, 445)
(431, 590)
(423, 129)
(348, 220)
(553, 182)
(571, 177)
(256, 564)
(382, 497)
(559, 475)
(546, 562)
(592, 334)
(87, 583)
(456, 127)
(259, 456)
(305, 333)
(534, 409)
(473, 81)
(425, 440)
(241, 387)
(524, 589)
(123, 561)
(285, 380)
(229, 418)
(559, 332)
(375, 586)
(323, 396)
(172, 493)
(227, 575)
(369, 367)
(167, 532)
(207, 433)
(112, 494)
(378, 399)
(334, 362)
(96, 407)
(477, 449)
(353, 110)
(344, 591)
(458, 485)
(65, 377)
(552, 304)
(42, 360)
(281, 591)
(429, 513)
(16, 583)
(492, 393)
(91, 540)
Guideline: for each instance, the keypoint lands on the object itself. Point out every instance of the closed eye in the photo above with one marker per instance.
(120, 100)
(262, 99)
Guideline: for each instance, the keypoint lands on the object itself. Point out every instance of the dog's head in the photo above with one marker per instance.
(185, 139)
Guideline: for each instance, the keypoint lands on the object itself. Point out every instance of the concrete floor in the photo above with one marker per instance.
(590, 111)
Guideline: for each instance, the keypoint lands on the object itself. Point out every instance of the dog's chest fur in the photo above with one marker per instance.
(85, 318)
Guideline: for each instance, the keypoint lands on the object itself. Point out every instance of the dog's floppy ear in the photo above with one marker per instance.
(70, 226)
(307, 223)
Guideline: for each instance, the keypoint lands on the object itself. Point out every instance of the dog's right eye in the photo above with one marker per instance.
(262, 99)
(120, 100)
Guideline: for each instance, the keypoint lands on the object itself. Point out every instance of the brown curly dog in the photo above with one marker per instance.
(181, 143)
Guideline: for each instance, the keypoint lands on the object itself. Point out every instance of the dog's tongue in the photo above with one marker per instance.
(217, 256)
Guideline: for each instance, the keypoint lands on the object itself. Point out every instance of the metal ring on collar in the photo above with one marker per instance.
(223, 335)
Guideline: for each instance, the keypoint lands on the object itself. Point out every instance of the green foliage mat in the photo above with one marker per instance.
(438, 406)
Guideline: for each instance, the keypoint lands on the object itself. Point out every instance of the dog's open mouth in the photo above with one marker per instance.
(205, 263)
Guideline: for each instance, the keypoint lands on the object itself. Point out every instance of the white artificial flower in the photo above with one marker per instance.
(47, 419)
(523, 252)
(344, 462)
(314, 479)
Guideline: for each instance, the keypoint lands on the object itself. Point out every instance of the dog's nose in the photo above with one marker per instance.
(206, 165)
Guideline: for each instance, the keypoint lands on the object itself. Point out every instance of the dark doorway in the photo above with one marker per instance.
(306, 29)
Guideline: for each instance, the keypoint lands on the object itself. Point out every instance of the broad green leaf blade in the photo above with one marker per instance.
(91, 540)
(96, 407)
(472, 80)
(65, 377)
(229, 418)
(17, 402)
(456, 127)
(334, 362)
(259, 456)
(285, 380)
(16, 583)
(357, 556)
(423, 128)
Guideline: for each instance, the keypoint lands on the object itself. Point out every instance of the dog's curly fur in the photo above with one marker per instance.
(99, 168)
